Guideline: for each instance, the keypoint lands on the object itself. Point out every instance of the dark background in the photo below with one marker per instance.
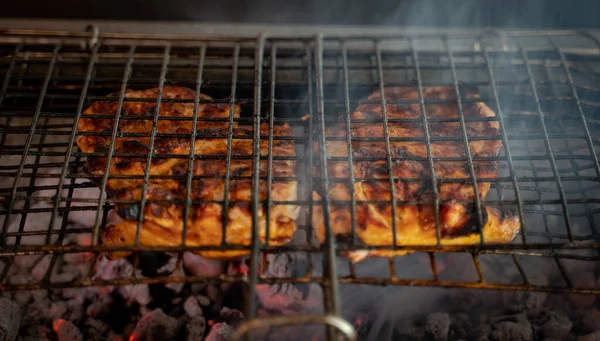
(440, 13)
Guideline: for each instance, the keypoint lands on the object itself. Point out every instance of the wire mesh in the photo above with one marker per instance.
(543, 87)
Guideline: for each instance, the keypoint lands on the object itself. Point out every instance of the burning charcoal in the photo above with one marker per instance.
(220, 332)
(438, 326)
(40, 268)
(128, 330)
(200, 266)
(591, 320)
(57, 310)
(203, 300)
(9, 320)
(66, 331)
(139, 293)
(191, 307)
(156, 326)
(558, 326)
(96, 309)
(195, 328)
(512, 328)
(595, 336)
(76, 313)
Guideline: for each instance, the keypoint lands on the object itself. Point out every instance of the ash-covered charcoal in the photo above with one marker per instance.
(438, 326)
(200, 266)
(191, 307)
(512, 328)
(156, 326)
(461, 326)
(195, 328)
(203, 300)
(96, 329)
(220, 332)
(9, 319)
(557, 326)
(482, 333)
(66, 331)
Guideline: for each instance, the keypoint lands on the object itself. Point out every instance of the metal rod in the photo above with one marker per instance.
(509, 157)
(544, 129)
(29, 140)
(463, 127)
(273, 62)
(386, 135)
(256, 206)
(111, 147)
(146, 184)
(234, 75)
(349, 144)
(334, 321)
(424, 120)
(332, 285)
(190, 172)
(65, 166)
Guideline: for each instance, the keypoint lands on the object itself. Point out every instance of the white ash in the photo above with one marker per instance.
(191, 307)
(195, 328)
(438, 326)
(9, 320)
(156, 326)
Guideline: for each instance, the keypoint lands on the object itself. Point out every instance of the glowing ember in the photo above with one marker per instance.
(66, 331)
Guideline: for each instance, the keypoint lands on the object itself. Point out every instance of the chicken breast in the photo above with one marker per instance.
(166, 192)
(415, 222)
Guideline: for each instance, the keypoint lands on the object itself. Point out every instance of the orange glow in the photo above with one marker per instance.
(134, 337)
(57, 325)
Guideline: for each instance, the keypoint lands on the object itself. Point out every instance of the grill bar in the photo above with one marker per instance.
(111, 148)
(546, 139)
(28, 143)
(549, 172)
(256, 204)
(226, 203)
(509, 157)
(331, 287)
(430, 159)
(463, 128)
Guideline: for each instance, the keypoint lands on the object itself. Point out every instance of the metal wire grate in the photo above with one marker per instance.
(544, 87)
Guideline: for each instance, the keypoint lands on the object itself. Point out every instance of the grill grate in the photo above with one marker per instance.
(544, 87)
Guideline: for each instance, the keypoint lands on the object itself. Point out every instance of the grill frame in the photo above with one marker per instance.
(315, 47)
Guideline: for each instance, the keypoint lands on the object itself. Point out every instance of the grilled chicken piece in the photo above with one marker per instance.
(415, 223)
(163, 214)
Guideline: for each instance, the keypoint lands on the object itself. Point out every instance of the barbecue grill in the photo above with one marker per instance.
(543, 85)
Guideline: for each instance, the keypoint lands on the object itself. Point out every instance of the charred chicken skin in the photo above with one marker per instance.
(415, 223)
(163, 213)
